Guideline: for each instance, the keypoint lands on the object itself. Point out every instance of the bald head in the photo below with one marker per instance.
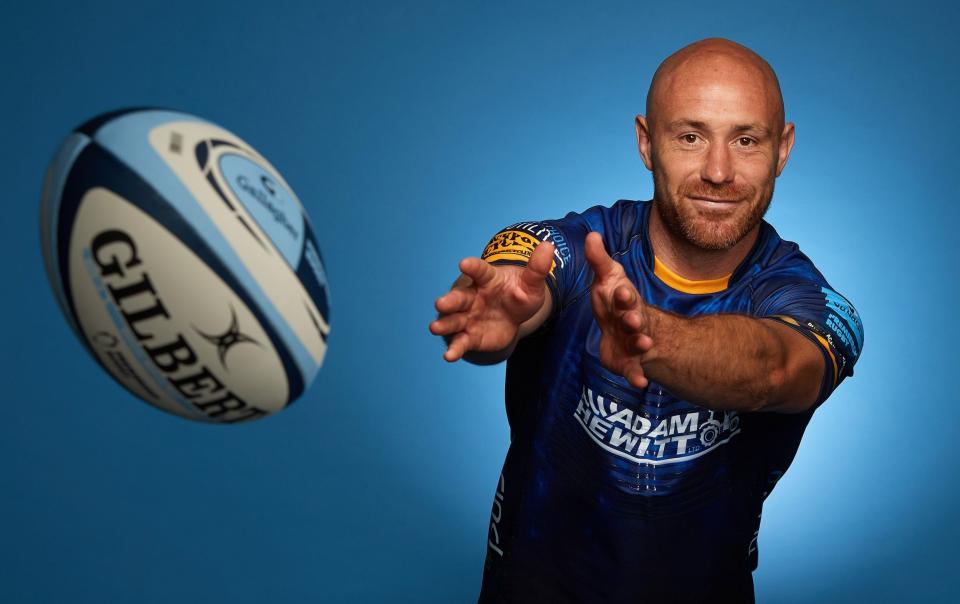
(715, 138)
(715, 62)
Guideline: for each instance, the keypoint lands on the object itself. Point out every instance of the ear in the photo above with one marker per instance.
(786, 144)
(643, 140)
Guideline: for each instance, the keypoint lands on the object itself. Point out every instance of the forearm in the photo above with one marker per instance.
(727, 362)
(490, 358)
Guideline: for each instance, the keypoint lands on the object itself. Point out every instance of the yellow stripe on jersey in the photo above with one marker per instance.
(688, 286)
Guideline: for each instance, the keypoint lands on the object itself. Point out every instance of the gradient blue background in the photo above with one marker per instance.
(412, 134)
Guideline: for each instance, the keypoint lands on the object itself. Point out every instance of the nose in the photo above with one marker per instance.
(718, 165)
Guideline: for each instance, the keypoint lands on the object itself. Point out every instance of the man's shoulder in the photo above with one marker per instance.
(777, 258)
(618, 223)
(629, 210)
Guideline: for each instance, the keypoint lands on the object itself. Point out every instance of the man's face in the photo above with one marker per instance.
(715, 145)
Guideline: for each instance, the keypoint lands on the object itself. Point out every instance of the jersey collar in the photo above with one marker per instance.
(690, 286)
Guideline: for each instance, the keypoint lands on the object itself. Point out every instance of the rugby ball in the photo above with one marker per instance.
(185, 264)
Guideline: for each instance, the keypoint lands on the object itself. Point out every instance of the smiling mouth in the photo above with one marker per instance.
(713, 199)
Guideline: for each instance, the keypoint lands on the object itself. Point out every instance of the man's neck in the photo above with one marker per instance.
(693, 262)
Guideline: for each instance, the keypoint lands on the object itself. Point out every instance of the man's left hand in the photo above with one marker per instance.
(620, 313)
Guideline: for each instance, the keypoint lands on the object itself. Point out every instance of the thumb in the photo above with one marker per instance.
(537, 269)
(600, 261)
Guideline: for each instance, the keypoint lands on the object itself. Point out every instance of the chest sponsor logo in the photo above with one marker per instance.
(651, 438)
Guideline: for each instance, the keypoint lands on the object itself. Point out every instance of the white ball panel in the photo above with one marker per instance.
(153, 273)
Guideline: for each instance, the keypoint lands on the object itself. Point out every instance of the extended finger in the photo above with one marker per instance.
(602, 302)
(458, 346)
(458, 299)
(631, 322)
(449, 324)
(480, 271)
(634, 374)
(538, 267)
(639, 344)
(600, 261)
(625, 297)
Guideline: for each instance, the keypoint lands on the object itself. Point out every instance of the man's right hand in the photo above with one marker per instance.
(489, 308)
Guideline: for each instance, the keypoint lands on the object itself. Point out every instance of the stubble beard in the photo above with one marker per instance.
(700, 228)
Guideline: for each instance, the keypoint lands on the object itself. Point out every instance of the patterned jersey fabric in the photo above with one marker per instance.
(610, 493)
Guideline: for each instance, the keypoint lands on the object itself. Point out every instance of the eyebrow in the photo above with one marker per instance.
(698, 125)
(679, 124)
(756, 128)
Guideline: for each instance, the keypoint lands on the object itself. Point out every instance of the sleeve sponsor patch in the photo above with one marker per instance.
(824, 317)
(843, 321)
(512, 246)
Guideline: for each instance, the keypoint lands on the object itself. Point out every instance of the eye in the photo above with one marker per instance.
(689, 138)
(746, 141)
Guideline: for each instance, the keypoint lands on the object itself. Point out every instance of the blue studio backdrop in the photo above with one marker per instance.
(412, 133)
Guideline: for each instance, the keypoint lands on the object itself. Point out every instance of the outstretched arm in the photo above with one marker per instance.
(490, 307)
(719, 361)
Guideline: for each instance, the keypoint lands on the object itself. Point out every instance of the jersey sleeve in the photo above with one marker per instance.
(515, 244)
(805, 302)
(570, 274)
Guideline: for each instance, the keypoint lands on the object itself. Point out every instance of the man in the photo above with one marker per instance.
(664, 356)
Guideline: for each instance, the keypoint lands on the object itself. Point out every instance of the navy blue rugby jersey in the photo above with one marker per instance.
(610, 493)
